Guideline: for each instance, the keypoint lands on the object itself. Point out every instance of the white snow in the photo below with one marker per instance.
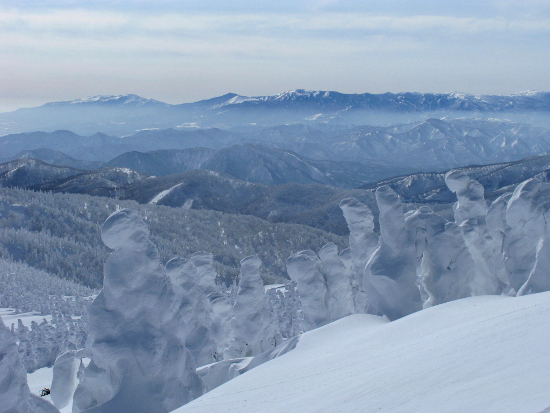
(279, 287)
(42, 378)
(162, 194)
(314, 117)
(10, 317)
(126, 171)
(479, 354)
(236, 100)
(527, 93)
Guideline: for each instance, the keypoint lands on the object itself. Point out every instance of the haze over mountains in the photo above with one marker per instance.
(314, 157)
(340, 156)
(273, 190)
(126, 114)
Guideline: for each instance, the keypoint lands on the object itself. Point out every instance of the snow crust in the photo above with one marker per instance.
(480, 354)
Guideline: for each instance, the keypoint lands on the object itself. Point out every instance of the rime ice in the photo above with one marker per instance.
(139, 364)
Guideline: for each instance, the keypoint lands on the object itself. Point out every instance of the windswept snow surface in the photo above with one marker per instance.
(479, 354)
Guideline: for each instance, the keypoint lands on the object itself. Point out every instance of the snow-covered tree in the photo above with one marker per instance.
(390, 277)
(337, 277)
(254, 329)
(304, 268)
(15, 396)
(195, 311)
(362, 243)
(139, 364)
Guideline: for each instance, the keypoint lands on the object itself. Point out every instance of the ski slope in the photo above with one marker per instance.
(480, 354)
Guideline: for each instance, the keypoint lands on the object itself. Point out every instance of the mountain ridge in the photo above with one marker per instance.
(125, 114)
(429, 145)
(425, 101)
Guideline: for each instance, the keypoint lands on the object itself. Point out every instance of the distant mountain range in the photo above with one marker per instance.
(127, 114)
(339, 156)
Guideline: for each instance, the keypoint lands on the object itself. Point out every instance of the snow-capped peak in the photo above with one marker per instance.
(297, 94)
(236, 100)
(117, 100)
(528, 93)
(459, 95)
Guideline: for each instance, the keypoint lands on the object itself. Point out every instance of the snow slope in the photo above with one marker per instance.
(480, 354)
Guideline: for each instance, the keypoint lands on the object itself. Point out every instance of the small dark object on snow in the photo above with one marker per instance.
(44, 392)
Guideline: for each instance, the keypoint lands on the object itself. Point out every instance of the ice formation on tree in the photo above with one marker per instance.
(194, 310)
(470, 194)
(444, 264)
(337, 278)
(362, 241)
(498, 228)
(287, 309)
(470, 213)
(303, 267)
(253, 324)
(14, 391)
(139, 363)
(150, 326)
(221, 312)
(65, 377)
(26, 289)
(15, 396)
(390, 276)
(526, 241)
(221, 309)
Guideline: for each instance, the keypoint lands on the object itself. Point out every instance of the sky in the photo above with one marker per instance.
(180, 51)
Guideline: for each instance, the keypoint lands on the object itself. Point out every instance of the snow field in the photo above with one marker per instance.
(10, 317)
(480, 354)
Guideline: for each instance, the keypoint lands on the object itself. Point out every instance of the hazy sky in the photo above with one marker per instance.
(183, 51)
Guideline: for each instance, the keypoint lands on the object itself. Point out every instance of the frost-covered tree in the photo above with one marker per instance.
(304, 268)
(524, 242)
(15, 396)
(221, 311)
(287, 309)
(254, 329)
(59, 233)
(139, 364)
(390, 277)
(444, 265)
(27, 289)
(195, 311)
(65, 377)
(470, 213)
(337, 277)
(362, 243)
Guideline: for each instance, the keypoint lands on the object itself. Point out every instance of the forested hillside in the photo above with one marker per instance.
(59, 233)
